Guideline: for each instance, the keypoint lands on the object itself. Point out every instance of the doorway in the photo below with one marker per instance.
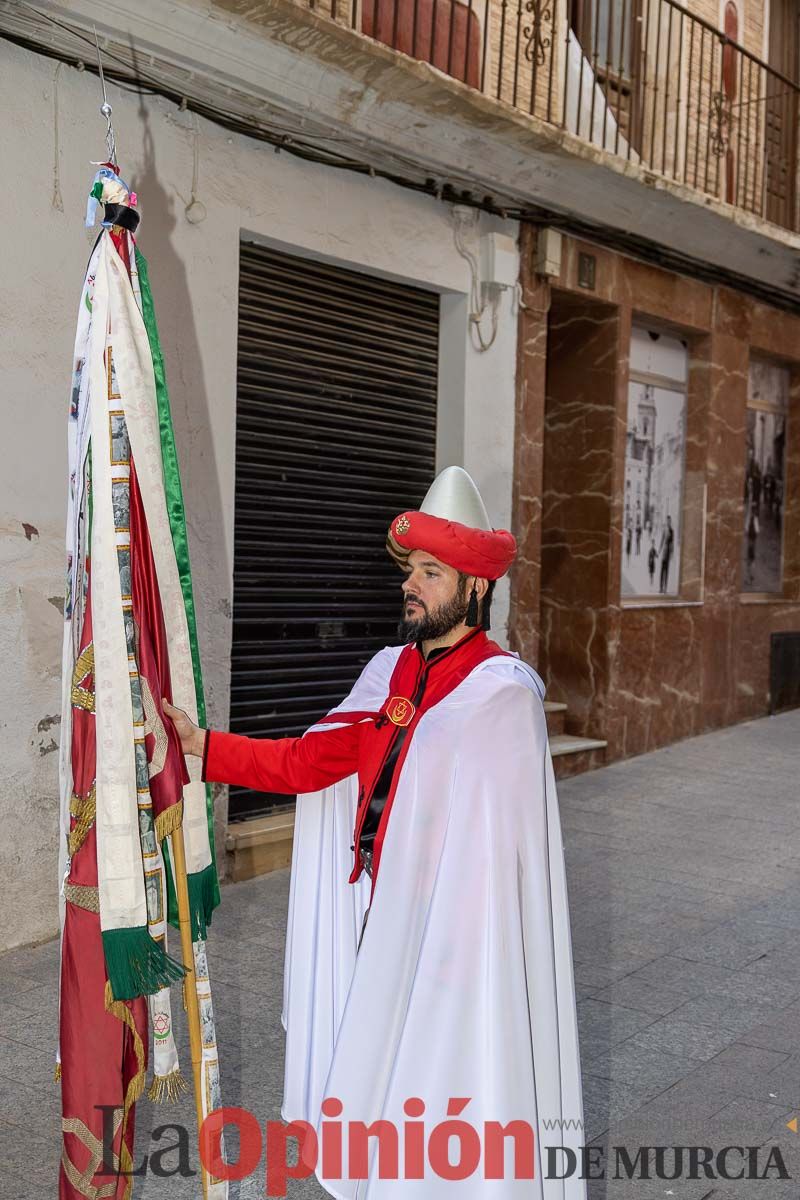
(335, 434)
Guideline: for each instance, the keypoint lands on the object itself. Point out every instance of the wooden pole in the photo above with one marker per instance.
(189, 986)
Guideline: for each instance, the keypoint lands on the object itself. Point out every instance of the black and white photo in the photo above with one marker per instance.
(762, 535)
(654, 465)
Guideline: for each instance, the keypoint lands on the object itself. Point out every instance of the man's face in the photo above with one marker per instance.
(434, 598)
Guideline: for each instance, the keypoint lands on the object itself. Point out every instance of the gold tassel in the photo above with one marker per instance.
(168, 821)
(57, 1073)
(167, 1089)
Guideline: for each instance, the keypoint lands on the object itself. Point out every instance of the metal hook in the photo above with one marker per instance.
(105, 107)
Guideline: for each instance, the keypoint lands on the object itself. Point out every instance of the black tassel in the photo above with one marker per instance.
(472, 608)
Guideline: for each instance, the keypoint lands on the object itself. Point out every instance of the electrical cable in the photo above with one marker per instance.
(477, 306)
(451, 191)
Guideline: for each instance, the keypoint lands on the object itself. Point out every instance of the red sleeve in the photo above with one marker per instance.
(287, 765)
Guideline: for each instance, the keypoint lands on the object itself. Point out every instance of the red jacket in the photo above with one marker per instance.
(362, 747)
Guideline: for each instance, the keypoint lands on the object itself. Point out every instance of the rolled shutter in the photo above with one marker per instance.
(335, 434)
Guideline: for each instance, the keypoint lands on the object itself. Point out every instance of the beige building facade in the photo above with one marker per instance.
(541, 179)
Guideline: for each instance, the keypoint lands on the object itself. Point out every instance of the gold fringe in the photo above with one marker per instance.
(57, 1073)
(167, 1088)
(168, 821)
(84, 810)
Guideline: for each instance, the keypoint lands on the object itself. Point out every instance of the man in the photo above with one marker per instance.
(431, 788)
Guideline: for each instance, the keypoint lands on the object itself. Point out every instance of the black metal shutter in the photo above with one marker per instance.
(335, 434)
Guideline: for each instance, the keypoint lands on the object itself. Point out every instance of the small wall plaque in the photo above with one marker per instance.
(586, 271)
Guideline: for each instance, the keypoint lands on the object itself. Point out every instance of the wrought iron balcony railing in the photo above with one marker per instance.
(643, 79)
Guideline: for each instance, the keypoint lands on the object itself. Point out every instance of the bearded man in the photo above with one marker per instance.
(439, 986)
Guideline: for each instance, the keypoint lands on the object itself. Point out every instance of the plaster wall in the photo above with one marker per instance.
(50, 132)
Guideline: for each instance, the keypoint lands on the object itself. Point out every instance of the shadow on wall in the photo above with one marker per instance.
(190, 407)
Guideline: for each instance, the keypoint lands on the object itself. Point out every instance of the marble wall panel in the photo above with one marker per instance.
(646, 676)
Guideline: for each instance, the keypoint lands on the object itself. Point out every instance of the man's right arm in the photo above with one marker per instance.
(284, 765)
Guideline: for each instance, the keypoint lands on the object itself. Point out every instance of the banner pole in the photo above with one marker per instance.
(190, 1002)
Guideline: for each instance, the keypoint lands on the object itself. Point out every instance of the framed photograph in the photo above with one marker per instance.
(155, 908)
(124, 558)
(121, 502)
(655, 455)
(764, 477)
(147, 833)
(120, 446)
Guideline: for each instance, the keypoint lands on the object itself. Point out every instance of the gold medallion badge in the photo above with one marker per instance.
(402, 525)
(400, 711)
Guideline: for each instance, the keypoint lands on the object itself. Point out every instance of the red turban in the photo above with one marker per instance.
(486, 553)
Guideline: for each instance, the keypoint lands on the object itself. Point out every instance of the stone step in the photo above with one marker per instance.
(573, 755)
(259, 845)
(555, 712)
(567, 743)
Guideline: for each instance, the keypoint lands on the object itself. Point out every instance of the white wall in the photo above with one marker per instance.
(245, 187)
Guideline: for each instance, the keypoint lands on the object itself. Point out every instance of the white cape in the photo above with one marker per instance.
(463, 986)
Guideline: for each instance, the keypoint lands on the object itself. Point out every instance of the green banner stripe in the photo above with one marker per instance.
(209, 888)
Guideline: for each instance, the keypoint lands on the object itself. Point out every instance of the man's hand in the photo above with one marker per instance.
(192, 738)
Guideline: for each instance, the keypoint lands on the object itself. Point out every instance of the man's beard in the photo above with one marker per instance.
(431, 625)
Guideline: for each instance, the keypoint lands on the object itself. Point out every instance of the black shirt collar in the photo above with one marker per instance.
(438, 651)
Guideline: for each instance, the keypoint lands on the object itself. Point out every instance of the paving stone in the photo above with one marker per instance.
(32, 1107)
(745, 1121)
(683, 1109)
(38, 1028)
(40, 997)
(776, 964)
(635, 993)
(28, 1156)
(31, 960)
(780, 1032)
(780, 1083)
(606, 1101)
(643, 1068)
(745, 1071)
(603, 974)
(733, 945)
(13, 986)
(778, 911)
(604, 1024)
(736, 1016)
(10, 1013)
(683, 1038)
(25, 1063)
(693, 978)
